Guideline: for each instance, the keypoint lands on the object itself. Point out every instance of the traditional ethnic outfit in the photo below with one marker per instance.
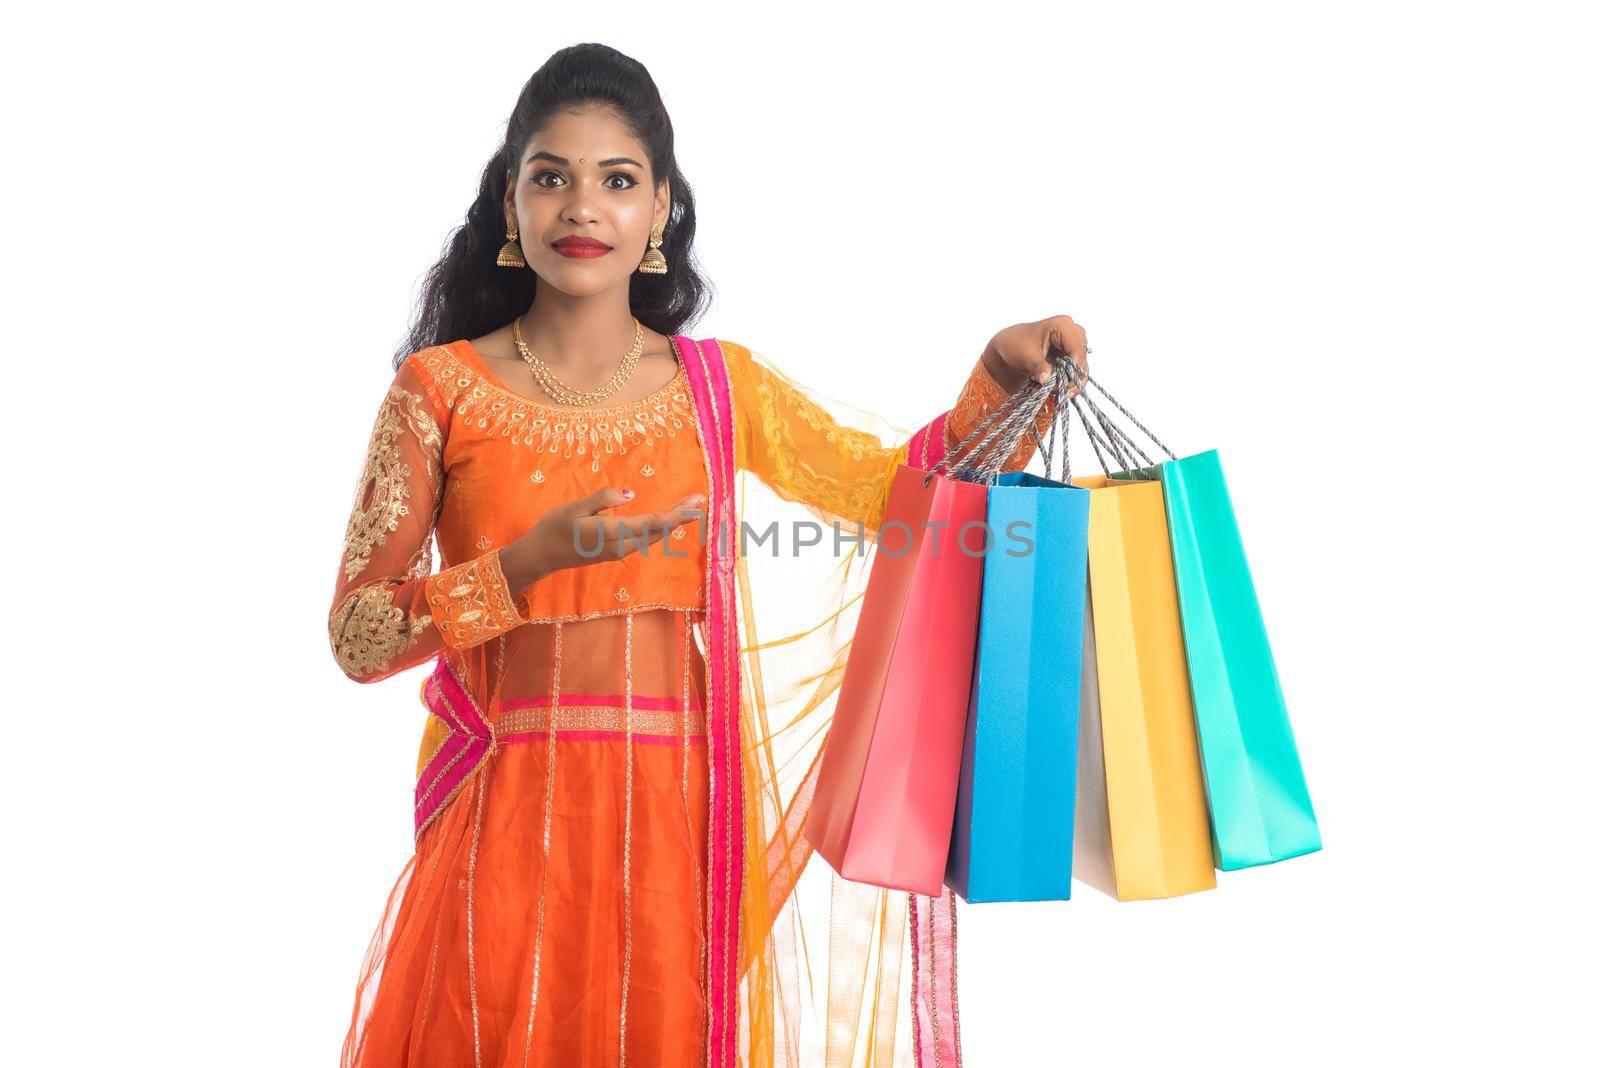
(608, 827)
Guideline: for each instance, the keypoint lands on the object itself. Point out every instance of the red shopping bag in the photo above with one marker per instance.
(885, 797)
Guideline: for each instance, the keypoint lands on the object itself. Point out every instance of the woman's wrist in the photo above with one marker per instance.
(1010, 380)
(520, 571)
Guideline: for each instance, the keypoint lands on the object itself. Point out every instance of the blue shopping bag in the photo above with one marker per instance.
(1016, 797)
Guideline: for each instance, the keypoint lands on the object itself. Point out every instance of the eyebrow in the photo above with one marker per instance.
(553, 158)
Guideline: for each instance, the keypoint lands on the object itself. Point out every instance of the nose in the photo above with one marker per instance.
(580, 207)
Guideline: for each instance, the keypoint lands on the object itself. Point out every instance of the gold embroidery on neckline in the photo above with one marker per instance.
(567, 432)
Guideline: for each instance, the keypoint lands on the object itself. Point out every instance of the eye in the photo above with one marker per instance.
(628, 179)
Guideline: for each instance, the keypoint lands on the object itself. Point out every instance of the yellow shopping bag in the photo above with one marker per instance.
(1143, 831)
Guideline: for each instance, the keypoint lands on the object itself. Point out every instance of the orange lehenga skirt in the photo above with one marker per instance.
(553, 912)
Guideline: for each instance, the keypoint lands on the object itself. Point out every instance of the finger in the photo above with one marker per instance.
(598, 535)
(599, 500)
(687, 510)
(1067, 369)
(681, 517)
(622, 535)
(645, 531)
(653, 528)
(1051, 347)
(1039, 367)
(615, 539)
(684, 512)
(1070, 338)
(634, 533)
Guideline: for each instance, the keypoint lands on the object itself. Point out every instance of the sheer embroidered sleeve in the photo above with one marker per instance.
(810, 449)
(981, 395)
(390, 610)
(820, 452)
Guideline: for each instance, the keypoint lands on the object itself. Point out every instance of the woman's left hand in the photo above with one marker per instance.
(1022, 352)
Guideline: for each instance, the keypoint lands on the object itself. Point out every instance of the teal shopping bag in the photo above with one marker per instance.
(1260, 806)
(1256, 793)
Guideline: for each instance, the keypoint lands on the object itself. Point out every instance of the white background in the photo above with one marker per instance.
(1353, 246)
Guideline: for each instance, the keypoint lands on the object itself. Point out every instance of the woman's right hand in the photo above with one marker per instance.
(554, 541)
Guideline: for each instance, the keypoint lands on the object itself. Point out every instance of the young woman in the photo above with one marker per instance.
(608, 802)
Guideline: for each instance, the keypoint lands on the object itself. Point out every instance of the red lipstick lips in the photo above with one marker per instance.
(580, 248)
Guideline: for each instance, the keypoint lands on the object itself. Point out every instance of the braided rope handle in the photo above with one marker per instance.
(1117, 439)
(1025, 421)
(1000, 431)
(1060, 383)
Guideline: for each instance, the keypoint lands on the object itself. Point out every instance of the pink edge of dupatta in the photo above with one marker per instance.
(712, 395)
(460, 754)
(933, 939)
(935, 1019)
(926, 447)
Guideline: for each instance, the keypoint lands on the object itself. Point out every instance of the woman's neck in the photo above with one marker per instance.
(579, 335)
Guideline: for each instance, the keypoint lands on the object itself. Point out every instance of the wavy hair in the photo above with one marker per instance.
(465, 295)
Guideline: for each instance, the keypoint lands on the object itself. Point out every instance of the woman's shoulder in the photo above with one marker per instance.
(436, 362)
(711, 350)
(747, 362)
(733, 350)
(730, 349)
(439, 373)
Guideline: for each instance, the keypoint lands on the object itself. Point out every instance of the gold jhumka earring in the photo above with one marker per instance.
(511, 251)
(654, 262)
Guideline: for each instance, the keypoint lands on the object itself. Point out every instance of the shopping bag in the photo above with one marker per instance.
(885, 796)
(1091, 833)
(1153, 838)
(1014, 803)
(1260, 807)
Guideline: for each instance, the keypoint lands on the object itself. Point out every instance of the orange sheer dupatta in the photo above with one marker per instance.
(818, 463)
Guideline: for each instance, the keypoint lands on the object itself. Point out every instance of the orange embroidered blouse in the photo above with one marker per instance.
(458, 457)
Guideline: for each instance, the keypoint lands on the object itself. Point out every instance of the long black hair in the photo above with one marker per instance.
(465, 295)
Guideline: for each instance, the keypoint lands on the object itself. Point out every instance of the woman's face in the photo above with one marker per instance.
(585, 176)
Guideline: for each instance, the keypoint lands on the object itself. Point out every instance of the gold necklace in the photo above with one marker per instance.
(564, 393)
